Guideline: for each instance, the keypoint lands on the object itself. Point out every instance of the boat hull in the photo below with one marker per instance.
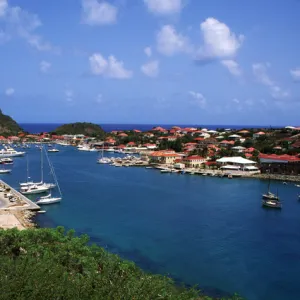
(48, 201)
(272, 204)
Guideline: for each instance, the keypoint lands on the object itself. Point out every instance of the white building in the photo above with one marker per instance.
(237, 163)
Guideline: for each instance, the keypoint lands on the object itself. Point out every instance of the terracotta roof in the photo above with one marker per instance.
(284, 157)
(194, 157)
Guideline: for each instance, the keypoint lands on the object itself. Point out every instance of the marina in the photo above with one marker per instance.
(215, 225)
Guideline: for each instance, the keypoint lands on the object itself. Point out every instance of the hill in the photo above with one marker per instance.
(88, 129)
(8, 126)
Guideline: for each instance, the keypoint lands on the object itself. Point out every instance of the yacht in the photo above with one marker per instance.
(269, 195)
(4, 171)
(33, 189)
(10, 152)
(48, 199)
(53, 150)
(6, 161)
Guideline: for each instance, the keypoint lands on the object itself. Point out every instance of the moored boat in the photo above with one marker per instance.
(271, 203)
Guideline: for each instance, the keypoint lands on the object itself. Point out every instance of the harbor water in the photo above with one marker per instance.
(199, 230)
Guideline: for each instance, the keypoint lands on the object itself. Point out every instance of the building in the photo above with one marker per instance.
(237, 163)
(164, 157)
(279, 164)
(194, 161)
(258, 134)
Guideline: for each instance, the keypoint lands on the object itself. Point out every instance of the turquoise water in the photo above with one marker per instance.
(199, 230)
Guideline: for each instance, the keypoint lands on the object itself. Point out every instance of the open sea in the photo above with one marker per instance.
(199, 230)
(48, 127)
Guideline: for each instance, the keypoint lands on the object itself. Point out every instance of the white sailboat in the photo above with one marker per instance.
(30, 187)
(49, 199)
(103, 160)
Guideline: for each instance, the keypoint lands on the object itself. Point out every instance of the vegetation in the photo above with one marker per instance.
(88, 129)
(8, 126)
(52, 264)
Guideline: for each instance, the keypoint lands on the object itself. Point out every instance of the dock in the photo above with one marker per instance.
(21, 202)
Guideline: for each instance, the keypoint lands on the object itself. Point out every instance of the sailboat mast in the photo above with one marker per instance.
(42, 165)
(27, 161)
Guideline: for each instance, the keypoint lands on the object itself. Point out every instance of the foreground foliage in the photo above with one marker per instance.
(51, 264)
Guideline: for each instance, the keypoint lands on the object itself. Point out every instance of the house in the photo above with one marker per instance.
(238, 149)
(234, 137)
(123, 134)
(194, 161)
(171, 138)
(150, 146)
(226, 144)
(258, 134)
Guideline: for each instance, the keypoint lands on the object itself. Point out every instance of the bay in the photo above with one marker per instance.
(199, 230)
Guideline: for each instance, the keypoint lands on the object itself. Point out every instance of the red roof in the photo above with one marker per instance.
(2, 138)
(198, 139)
(284, 157)
(137, 131)
(131, 143)
(123, 134)
(194, 157)
(250, 150)
(227, 142)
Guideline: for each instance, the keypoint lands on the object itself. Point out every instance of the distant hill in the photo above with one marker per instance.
(88, 129)
(8, 126)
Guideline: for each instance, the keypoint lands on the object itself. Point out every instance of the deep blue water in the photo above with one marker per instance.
(47, 127)
(199, 230)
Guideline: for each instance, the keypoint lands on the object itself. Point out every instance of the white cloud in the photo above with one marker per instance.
(69, 94)
(151, 68)
(148, 51)
(3, 7)
(198, 99)
(9, 92)
(232, 66)
(23, 24)
(169, 42)
(218, 40)
(295, 73)
(235, 100)
(95, 12)
(261, 75)
(44, 66)
(110, 67)
(164, 7)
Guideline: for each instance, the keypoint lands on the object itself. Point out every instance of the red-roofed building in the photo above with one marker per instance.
(2, 138)
(171, 138)
(123, 134)
(137, 131)
(114, 132)
(280, 164)
(194, 161)
(130, 144)
(258, 134)
(296, 145)
(226, 144)
(110, 141)
(149, 134)
(164, 157)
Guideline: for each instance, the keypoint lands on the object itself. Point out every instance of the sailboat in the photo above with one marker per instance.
(269, 195)
(49, 199)
(30, 187)
(103, 160)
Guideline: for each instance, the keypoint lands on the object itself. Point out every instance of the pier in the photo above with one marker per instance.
(16, 210)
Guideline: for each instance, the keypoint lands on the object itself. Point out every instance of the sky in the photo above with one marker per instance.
(151, 61)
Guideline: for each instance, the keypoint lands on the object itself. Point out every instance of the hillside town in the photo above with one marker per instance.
(247, 151)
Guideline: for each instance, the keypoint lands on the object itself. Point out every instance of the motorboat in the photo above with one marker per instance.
(6, 161)
(53, 150)
(5, 171)
(272, 203)
(110, 150)
(10, 152)
(165, 171)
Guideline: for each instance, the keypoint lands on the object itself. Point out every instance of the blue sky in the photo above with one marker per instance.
(151, 61)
